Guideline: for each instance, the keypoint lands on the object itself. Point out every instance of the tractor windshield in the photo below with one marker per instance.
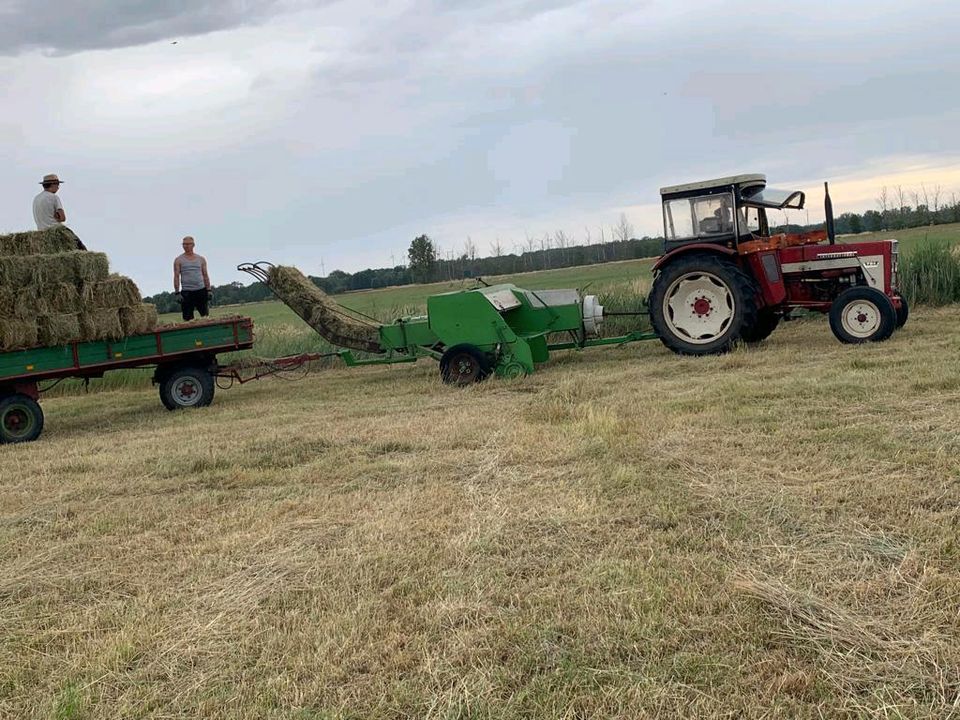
(706, 216)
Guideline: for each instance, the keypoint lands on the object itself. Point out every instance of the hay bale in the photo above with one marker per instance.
(23, 303)
(53, 240)
(321, 313)
(19, 271)
(61, 298)
(116, 291)
(138, 319)
(17, 334)
(101, 324)
(58, 328)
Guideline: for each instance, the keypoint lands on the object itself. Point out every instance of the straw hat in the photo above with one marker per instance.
(52, 178)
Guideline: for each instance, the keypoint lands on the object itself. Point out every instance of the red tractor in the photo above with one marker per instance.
(723, 277)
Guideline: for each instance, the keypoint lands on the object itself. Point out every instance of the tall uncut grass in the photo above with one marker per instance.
(930, 274)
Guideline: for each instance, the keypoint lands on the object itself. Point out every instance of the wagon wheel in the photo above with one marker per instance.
(21, 419)
(188, 387)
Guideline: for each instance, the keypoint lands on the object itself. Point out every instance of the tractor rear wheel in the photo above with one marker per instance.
(766, 323)
(903, 312)
(862, 314)
(21, 419)
(702, 304)
(464, 365)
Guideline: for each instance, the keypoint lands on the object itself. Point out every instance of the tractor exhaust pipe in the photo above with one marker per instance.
(828, 212)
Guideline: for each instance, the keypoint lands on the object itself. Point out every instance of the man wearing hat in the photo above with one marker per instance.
(47, 208)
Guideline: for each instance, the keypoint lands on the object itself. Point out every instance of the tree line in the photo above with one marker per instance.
(899, 208)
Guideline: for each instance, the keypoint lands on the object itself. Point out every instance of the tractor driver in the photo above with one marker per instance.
(724, 215)
(722, 220)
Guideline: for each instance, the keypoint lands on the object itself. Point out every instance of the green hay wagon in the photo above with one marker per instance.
(184, 357)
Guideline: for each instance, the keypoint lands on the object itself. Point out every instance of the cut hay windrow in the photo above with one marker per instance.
(58, 328)
(17, 334)
(101, 324)
(321, 313)
(138, 319)
(116, 291)
(59, 239)
(18, 271)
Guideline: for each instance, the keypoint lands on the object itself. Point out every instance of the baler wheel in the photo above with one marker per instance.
(464, 365)
(862, 314)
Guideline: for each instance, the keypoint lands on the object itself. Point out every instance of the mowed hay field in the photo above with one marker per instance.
(626, 533)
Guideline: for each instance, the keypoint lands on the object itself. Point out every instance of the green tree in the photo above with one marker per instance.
(873, 221)
(422, 257)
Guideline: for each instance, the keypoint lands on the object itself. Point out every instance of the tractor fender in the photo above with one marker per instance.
(693, 247)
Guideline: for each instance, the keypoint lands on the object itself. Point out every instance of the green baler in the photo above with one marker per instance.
(496, 329)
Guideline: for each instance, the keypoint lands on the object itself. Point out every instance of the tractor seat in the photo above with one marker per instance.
(710, 226)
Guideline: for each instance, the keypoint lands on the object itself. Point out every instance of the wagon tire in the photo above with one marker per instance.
(187, 387)
(862, 314)
(21, 419)
(702, 304)
(465, 365)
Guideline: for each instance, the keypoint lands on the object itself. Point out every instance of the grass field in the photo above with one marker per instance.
(771, 533)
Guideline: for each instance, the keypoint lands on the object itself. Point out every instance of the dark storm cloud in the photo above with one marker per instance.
(66, 27)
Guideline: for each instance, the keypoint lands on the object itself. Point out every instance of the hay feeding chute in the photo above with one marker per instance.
(498, 330)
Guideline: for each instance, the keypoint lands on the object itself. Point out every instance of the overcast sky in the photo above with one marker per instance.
(329, 134)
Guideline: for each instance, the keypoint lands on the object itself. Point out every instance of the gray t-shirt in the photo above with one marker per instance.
(191, 272)
(44, 206)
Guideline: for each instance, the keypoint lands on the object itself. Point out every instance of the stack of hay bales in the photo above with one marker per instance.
(53, 294)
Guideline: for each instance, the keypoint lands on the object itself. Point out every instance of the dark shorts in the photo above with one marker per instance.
(195, 300)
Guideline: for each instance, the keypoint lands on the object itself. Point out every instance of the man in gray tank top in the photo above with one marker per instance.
(191, 282)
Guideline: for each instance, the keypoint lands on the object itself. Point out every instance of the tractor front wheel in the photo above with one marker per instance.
(464, 365)
(862, 314)
(702, 304)
(903, 312)
(21, 419)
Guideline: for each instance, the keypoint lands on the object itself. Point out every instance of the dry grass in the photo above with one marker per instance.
(772, 533)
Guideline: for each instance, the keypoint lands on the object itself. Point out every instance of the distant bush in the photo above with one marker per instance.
(930, 274)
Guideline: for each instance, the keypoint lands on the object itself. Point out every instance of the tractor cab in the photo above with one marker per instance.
(725, 211)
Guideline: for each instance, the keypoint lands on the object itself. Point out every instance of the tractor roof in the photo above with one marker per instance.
(741, 180)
